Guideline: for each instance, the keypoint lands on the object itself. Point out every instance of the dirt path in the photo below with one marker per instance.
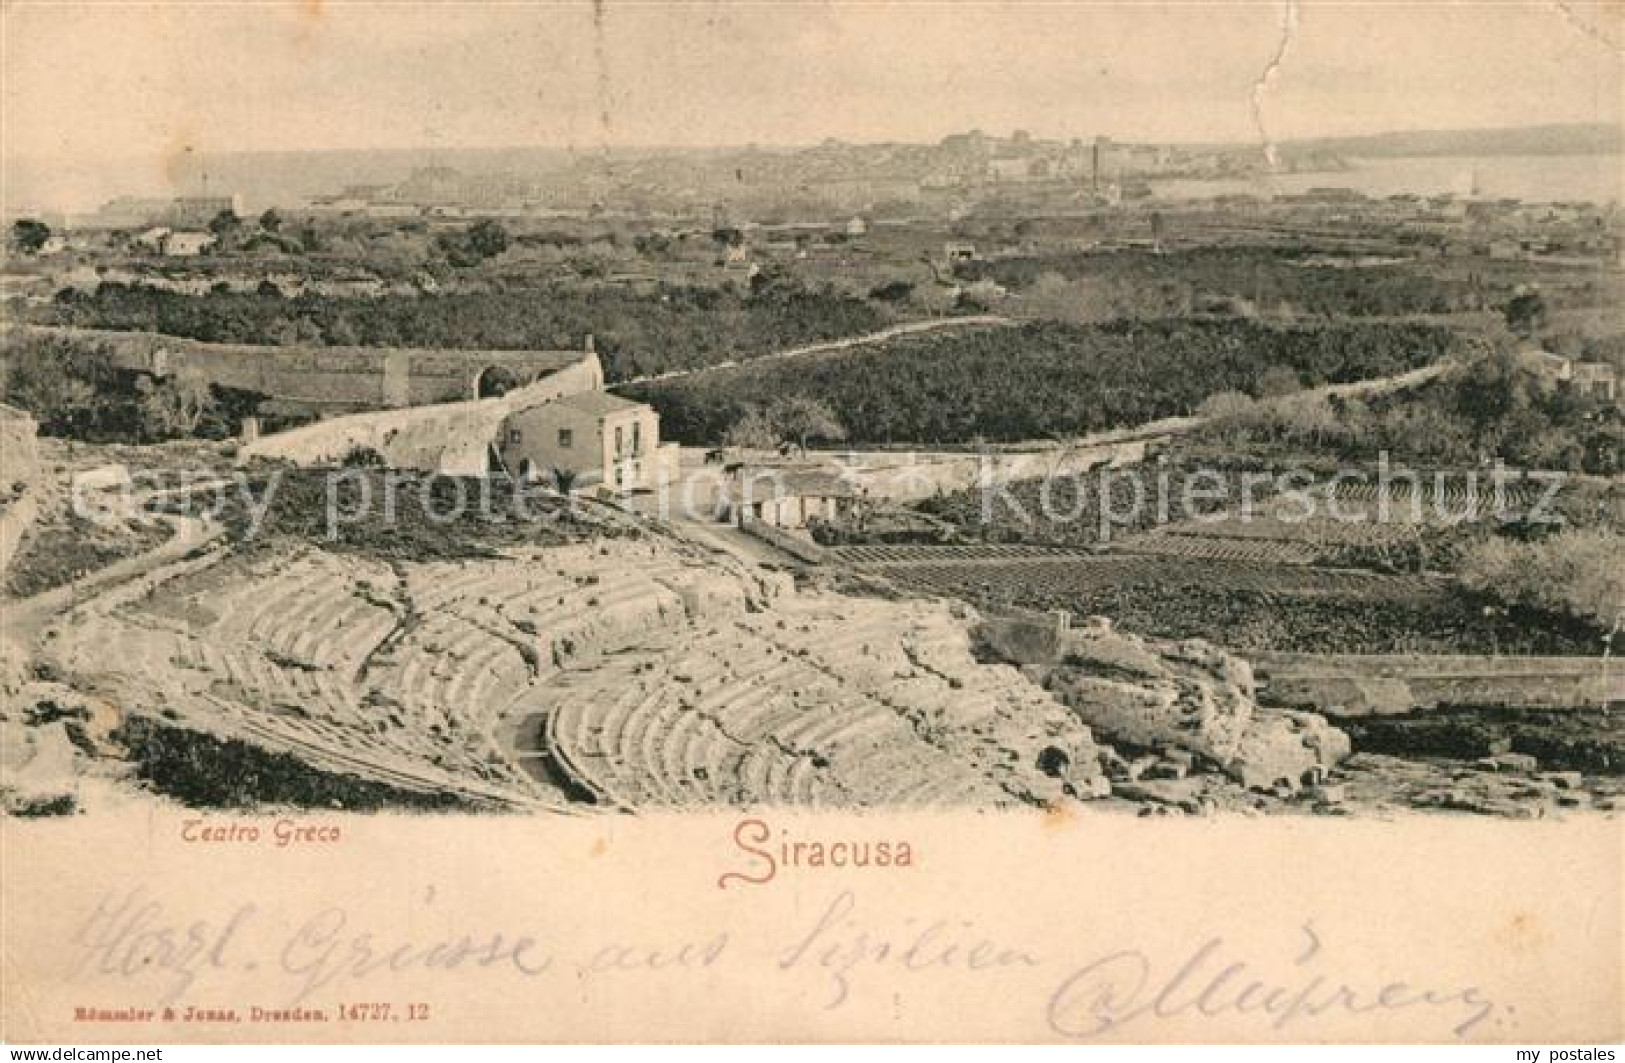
(911, 328)
(1173, 426)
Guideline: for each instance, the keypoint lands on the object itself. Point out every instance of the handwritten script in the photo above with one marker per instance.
(147, 953)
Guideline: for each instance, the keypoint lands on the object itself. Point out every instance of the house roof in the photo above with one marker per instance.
(780, 482)
(1544, 361)
(599, 403)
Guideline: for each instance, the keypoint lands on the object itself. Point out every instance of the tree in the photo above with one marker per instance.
(175, 405)
(801, 419)
(1575, 571)
(1490, 390)
(1227, 406)
(30, 235)
(62, 383)
(753, 431)
(499, 380)
(487, 238)
(1525, 312)
(484, 239)
(892, 291)
(225, 224)
(271, 221)
(1277, 380)
(360, 456)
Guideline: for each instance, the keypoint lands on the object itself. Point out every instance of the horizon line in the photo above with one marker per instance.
(1618, 127)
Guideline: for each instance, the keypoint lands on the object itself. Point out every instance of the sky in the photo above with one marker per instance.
(93, 85)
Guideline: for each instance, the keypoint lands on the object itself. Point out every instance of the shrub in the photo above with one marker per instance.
(1580, 572)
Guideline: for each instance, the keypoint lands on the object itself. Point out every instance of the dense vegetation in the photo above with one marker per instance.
(1084, 509)
(1580, 572)
(1492, 406)
(1091, 285)
(202, 771)
(673, 327)
(1249, 607)
(397, 515)
(1042, 379)
(74, 390)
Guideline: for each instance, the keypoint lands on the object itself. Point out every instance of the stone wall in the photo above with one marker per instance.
(797, 546)
(905, 477)
(1027, 638)
(1161, 694)
(449, 437)
(344, 378)
(1393, 684)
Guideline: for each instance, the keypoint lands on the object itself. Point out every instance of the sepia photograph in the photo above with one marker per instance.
(800, 449)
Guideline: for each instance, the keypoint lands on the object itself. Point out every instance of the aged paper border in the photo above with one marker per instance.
(120, 911)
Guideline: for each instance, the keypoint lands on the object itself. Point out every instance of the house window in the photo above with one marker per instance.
(515, 437)
(637, 437)
(567, 438)
(620, 439)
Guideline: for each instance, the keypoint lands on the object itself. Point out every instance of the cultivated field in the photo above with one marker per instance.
(1249, 604)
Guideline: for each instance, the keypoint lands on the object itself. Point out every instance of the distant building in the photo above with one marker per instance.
(738, 258)
(857, 227)
(1596, 379)
(957, 251)
(151, 239)
(1599, 380)
(186, 244)
(1018, 168)
(789, 498)
(603, 439)
(180, 212)
(194, 211)
(1550, 366)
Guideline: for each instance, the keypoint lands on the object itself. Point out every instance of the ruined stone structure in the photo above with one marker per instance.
(19, 495)
(336, 379)
(456, 438)
(621, 673)
(1187, 695)
(1352, 685)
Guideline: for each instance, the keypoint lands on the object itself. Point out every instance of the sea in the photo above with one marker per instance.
(1531, 178)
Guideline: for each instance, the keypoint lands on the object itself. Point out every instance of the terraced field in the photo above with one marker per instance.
(1338, 524)
(914, 554)
(1254, 604)
(1342, 566)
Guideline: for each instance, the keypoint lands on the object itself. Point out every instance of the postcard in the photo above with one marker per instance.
(812, 522)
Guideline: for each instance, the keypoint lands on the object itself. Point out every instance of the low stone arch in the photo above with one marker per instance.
(495, 381)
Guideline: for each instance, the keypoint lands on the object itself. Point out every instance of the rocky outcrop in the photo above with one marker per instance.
(19, 494)
(1156, 694)
(37, 772)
